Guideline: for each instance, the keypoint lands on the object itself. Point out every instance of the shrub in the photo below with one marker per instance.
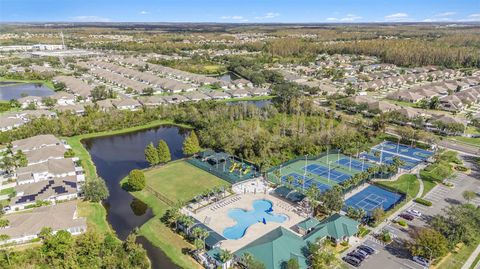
(402, 223)
(423, 202)
(136, 180)
(461, 168)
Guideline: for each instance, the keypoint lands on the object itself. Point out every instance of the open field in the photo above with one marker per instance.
(407, 183)
(179, 181)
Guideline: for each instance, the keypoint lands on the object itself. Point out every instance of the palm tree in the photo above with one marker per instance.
(200, 233)
(173, 215)
(247, 259)
(300, 182)
(225, 255)
(397, 162)
(187, 222)
(290, 180)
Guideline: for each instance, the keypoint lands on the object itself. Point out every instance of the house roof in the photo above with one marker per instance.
(58, 217)
(309, 223)
(35, 142)
(45, 153)
(43, 190)
(335, 226)
(276, 248)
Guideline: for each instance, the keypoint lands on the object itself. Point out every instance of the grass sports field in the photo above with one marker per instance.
(318, 172)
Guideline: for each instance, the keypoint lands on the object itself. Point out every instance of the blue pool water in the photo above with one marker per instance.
(262, 209)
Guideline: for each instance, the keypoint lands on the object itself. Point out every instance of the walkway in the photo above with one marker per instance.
(471, 259)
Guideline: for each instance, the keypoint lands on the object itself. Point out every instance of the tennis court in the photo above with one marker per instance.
(400, 149)
(308, 182)
(355, 164)
(374, 197)
(387, 157)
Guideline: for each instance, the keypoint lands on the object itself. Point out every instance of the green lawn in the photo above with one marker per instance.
(7, 191)
(475, 262)
(180, 181)
(255, 98)
(466, 140)
(427, 186)
(406, 183)
(95, 214)
(456, 259)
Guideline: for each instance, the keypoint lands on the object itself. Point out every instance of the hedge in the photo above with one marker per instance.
(423, 202)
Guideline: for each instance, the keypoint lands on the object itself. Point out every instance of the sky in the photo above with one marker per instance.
(240, 11)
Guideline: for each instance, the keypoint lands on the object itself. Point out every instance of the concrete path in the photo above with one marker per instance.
(471, 259)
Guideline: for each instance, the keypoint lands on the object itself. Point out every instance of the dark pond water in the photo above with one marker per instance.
(228, 77)
(257, 103)
(115, 156)
(16, 91)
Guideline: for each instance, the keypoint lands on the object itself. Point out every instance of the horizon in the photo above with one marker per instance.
(249, 12)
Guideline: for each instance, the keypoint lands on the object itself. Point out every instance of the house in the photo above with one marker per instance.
(52, 190)
(23, 227)
(406, 96)
(9, 123)
(451, 103)
(126, 104)
(64, 98)
(151, 101)
(105, 105)
(239, 93)
(381, 106)
(275, 248)
(47, 170)
(218, 95)
(45, 153)
(35, 142)
(26, 101)
(409, 112)
(259, 91)
(76, 109)
(197, 96)
(174, 99)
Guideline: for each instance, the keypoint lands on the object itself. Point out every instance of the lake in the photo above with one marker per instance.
(115, 156)
(228, 77)
(18, 90)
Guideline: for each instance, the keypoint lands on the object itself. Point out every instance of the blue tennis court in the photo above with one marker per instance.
(355, 164)
(307, 184)
(387, 157)
(404, 150)
(322, 171)
(374, 197)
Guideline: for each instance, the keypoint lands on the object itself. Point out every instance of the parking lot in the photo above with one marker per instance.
(395, 255)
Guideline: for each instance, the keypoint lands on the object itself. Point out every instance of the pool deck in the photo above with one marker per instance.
(219, 219)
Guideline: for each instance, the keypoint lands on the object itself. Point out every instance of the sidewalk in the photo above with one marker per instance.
(471, 259)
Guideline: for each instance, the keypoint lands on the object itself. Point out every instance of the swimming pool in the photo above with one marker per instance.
(262, 213)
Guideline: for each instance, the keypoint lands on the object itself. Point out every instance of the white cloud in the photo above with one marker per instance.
(143, 12)
(236, 17)
(477, 15)
(90, 19)
(331, 19)
(350, 17)
(269, 15)
(445, 14)
(396, 16)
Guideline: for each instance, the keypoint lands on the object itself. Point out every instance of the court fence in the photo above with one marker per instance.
(229, 177)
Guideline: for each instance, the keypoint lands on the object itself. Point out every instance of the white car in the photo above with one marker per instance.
(422, 261)
(414, 212)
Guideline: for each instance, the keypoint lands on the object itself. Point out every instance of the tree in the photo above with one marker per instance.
(355, 213)
(469, 195)
(249, 261)
(49, 102)
(377, 214)
(428, 243)
(191, 144)
(4, 223)
(136, 255)
(95, 190)
(292, 264)
(332, 200)
(58, 249)
(163, 151)
(200, 234)
(225, 255)
(59, 86)
(148, 91)
(136, 180)
(151, 155)
(21, 159)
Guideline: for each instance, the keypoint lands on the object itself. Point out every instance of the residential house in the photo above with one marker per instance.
(64, 98)
(26, 226)
(126, 104)
(28, 100)
(218, 95)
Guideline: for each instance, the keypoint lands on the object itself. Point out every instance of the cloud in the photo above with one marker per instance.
(236, 17)
(331, 19)
(269, 15)
(350, 17)
(396, 16)
(445, 14)
(90, 19)
(477, 15)
(143, 12)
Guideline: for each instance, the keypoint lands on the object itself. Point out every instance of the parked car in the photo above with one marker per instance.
(414, 212)
(361, 252)
(356, 255)
(353, 261)
(407, 216)
(422, 261)
(367, 249)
